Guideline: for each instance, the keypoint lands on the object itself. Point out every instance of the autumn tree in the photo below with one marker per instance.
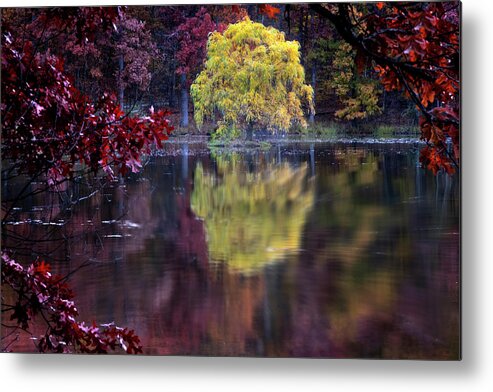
(53, 133)
(358, 96)
(193, 34)
(192, 37)
(134, 49)
(414, 47)
(252, 79)
(117, 58)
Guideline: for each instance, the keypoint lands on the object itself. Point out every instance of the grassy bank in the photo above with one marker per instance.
(319, 131)
(333, 130)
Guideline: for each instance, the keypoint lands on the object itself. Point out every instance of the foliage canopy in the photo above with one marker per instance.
(415, 48)
(358, 96)
(252, 75)
(52, 132)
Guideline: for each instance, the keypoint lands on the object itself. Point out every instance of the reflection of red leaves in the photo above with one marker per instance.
(268, 10)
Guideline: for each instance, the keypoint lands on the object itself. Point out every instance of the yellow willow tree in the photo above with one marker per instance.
(252, 80)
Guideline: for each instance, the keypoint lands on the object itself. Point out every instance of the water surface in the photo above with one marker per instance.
(306, 250)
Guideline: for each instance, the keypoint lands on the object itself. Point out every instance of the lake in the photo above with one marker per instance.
(340, 250)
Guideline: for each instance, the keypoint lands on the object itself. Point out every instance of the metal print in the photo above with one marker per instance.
(266, 180)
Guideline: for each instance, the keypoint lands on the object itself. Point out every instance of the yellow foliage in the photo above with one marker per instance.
(252, 79)
(252, 219)
(358, 97)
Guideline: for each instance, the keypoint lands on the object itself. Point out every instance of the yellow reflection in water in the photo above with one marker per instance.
(252, 218)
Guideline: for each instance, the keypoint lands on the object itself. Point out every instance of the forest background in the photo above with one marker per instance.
(154, 54)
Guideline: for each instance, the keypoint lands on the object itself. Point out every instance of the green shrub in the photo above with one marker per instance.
(384, 131)
(323, 130)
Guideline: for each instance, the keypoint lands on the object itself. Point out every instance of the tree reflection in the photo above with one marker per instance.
(206, 259)
(373, 285)
(252, 218)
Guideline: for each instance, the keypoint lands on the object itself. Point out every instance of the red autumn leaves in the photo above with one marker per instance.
(417, 50)
(51, 129)
(269, 10)
(49, 126)
(192, 36)
(42, 295)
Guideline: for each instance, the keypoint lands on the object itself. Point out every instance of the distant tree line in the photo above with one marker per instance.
(152, 54)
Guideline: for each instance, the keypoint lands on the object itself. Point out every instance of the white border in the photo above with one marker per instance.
(473, 373)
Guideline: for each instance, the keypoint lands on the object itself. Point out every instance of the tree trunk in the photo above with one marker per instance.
(314, 67)
(184, 101)
(314, 86)
(121, 91)
(280, 18)
(249, 132)
(301, 35)
(252, 11)
(171, 89)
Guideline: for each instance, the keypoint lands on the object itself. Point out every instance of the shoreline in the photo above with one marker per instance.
(204, 139)
(202, 144)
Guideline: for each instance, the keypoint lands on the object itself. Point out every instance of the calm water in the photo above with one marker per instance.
(338, 250)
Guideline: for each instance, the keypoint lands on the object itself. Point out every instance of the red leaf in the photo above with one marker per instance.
(268, 10)
(42, 268)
